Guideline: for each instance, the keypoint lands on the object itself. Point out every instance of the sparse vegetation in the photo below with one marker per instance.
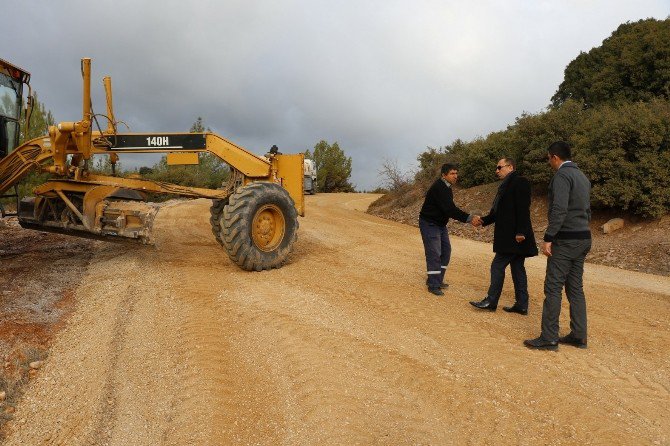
(392, 177)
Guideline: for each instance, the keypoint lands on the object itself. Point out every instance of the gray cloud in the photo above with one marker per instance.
(383, 78)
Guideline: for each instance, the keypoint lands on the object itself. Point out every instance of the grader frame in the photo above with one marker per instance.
(254, 216)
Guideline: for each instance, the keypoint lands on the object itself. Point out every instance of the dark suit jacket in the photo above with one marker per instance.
(512, 217)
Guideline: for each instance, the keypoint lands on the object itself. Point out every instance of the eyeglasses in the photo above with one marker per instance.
(500, 167)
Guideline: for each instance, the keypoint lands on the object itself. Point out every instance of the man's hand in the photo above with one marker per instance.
(476, 221)
(520, 238)
(546, 249)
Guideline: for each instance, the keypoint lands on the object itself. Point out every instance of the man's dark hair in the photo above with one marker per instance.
(561, 149)
(447, 167)
(511, 162)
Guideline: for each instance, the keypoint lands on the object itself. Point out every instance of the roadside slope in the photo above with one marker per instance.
(641, 245)
(175, 345)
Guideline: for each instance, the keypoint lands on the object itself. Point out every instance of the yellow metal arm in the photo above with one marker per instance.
(17, 164)
(238, 157)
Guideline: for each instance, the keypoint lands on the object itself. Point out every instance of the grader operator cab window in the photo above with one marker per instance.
(10, 110)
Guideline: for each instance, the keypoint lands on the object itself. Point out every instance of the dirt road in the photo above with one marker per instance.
(176, 345)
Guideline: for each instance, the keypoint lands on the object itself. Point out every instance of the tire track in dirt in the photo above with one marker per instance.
(105, 424)
(219, 388)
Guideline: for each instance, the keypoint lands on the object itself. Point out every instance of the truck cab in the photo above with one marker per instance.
(310, 176)
(12, 79)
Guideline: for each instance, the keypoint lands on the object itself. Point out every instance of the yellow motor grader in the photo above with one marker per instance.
(254, 216)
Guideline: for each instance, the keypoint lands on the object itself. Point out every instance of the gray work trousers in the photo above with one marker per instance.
(565, 267)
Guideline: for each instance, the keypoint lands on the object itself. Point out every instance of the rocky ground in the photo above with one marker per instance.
(642, 245)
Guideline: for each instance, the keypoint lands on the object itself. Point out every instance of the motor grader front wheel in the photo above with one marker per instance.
(257, 226)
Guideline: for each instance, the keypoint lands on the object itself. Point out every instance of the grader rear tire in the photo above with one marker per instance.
(258, 227)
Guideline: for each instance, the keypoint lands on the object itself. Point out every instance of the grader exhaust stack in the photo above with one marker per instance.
(253, 216)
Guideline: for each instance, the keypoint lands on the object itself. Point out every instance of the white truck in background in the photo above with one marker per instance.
(310, 176)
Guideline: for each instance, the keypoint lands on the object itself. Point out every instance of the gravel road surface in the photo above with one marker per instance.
(175, 345)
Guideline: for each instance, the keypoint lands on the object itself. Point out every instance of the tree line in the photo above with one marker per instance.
(613, 106)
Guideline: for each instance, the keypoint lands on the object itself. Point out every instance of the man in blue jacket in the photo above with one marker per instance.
(513, 238)
(567, 240)
(438, 207)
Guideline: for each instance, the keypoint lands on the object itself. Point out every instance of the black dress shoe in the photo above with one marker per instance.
(572, 340)
(436, 291)
(541, 344)
(515, 309)
(484, 304)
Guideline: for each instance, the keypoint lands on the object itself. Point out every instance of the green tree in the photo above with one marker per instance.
(333, 168)
(199, 127)
(633, 64)
(531, 134)
(624, 149)
(432, 159)
(210, 172)
(40, 120)
(103, 166)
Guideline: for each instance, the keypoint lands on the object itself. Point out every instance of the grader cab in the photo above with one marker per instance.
(253, 216)
(12, 81)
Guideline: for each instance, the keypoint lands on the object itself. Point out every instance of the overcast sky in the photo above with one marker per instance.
(385, 79)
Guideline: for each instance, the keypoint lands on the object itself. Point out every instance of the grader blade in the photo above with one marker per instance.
(116, 221)
(129, 219)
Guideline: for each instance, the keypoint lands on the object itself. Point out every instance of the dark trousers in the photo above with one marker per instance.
(438, 251)
(565, 267)
(500, 262)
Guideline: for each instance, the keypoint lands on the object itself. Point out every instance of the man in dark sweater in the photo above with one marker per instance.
(567, 240)
(513, 238)
(438, 207)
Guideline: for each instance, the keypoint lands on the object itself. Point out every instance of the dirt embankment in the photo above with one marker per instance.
(343, 345)
(642, 245)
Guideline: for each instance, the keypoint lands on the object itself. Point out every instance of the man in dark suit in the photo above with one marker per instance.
(438, 207)
(513, 238)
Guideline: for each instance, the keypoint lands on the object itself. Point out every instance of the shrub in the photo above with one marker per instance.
(624, 149)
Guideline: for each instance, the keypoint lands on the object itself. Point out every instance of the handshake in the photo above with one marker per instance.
(476, 221)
